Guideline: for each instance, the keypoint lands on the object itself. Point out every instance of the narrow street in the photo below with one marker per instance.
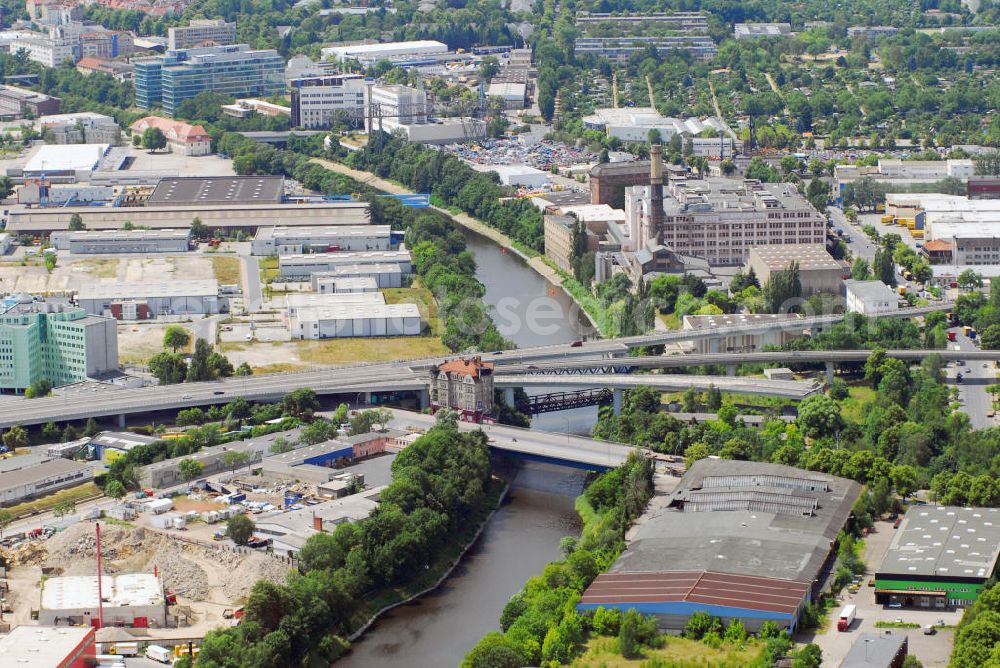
(976, 377)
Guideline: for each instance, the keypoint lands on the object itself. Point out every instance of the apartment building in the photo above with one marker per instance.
(50, 51)
(679, 21)
(463, 385)
(621, 49)
(318, 101)
(235, 70)
(56, 341)
(199, 32)
(719, 219)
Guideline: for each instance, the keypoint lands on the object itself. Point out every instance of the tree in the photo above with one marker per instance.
(240, 528)
(728, 167)
(63, 508)
(16, 437)
(40, 388)
(783, 288)
(76, 223)
(280, 445)
(6, 517)
(810, 656)
(819, 415)
(235, 459)
(115, 489)
(190, 416)
(199, 230)
(883, 268)
(989, 339)
(51, 432)
(494, 650)
(153, 139)
(169, 368)
(200, 369)
(969, 280)
(50, 261)
(988, 163)
(190, 469)
(244, 370)
(300, 403)
(714, 400)
(627, 641)
(176, 337)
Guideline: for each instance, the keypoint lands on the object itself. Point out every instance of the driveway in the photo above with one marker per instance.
(933, 650)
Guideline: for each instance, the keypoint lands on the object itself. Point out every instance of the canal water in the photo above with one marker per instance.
(437, 630)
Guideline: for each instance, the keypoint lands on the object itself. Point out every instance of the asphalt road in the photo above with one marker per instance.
(976, 377)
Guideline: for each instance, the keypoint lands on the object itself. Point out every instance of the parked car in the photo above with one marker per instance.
(895, 605)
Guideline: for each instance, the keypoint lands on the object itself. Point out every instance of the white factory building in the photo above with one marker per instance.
(517, 175)
(167, 298)
(298, 240)
(122, 241)
(403, 104)
(634, 124)
(347, 285)
(385, 275)
(304, 265)
(130, 599)
(870, 297)
(76, 160)
(369, 54)
(437, 131)
(28, 476)
(365, 314)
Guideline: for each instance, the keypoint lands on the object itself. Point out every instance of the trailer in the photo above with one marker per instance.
(847, 617)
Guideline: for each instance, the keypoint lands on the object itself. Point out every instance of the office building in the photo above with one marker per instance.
(750, 30)
(463, 385)
(80, 128)
(737, 540)
(54, 341)
(129, 599)
(818, 271)
(199, 297)
(201, 32)
(298, 240)
(318, 101)
(870, 297)
(29, 476)
(16, 102)
(49, 646)
(405, 105)
(385, 275)
(621, 49)
(304, 265)
(941, 557)
(877, 650)
(235, 70)
(50, 51)
(89, 242)
(182, 138)
(395, 52)
(752, 340)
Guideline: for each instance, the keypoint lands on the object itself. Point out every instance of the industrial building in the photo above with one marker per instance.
(167, 473)
(218, 190)
(130, 599)
(405, 105)
(634, 124)
(169, 298)
(385, 274)
(345, 285)
(49, 646)
(463, 385)
(877, 650)
(297, 301)
(289, 530)
(818, 271)
(76, 161)
(110, 445)
(182, 138)
(304, 265)
(870, 297)
(28, 476)
(201, 32)
(517, 175)
(894, 171)
(297, 240)
(559, 231)
(737, 540)
(750, 30)
(233, 70)
(438, 131)
(356, 320)
(17, 103)
(314, 463)
(750, 341)
(940, 557)
(89, 242)
(395, 52)
(54, 341)
(317, 101)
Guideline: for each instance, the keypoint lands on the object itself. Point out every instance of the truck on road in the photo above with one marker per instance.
(160, 654)
(847, 617)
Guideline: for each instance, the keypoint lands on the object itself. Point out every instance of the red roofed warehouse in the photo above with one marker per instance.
(464, 385)
(182, 138)
(737, 540)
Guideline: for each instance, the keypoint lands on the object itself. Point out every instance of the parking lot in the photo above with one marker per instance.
(931, 650)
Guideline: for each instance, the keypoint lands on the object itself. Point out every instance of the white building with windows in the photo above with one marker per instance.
(317, 101)
(870, 297)
(405, 105)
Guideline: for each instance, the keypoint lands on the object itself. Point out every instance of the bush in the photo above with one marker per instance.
(240, 528)
(606, 621)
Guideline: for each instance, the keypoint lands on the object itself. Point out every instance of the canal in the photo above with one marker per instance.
(437, 630)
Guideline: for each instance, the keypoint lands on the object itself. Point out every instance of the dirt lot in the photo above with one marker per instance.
(201, 576)
(298, 355)
(137, 342)
(74, 270)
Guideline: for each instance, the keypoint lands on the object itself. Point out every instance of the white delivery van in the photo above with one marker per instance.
(161, 654)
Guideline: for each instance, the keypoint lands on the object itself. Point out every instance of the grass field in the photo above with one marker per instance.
(676, 653)
(106, 268)
(351, 351)
(73, 494)
(226, 269)
(851, 407)
(269, 268)
(670, 320)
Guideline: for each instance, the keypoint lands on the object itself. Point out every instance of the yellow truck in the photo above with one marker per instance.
(888, 219)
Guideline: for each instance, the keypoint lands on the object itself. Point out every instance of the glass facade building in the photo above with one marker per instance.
(234, 70)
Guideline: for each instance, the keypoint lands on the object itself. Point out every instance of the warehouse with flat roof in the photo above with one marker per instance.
(738, 540)
(29, 476)
(130, 599)
(818, 270)
(355, 320)
(296, 301)
(939, 557)
(49, 646)
(282, 240)
(385, 275)
(304, 265)
(218, 190)
(122, 241)
(161, 298)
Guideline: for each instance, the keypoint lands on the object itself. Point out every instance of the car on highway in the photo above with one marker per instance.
(986, 365)
(219, 392)
(968, 370)
(186, 396)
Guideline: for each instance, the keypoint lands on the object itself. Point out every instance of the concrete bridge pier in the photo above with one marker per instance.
(423, 399)
(508, 396)
(616, 401)
(730, 369)
(829, 373)
(121, 421)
